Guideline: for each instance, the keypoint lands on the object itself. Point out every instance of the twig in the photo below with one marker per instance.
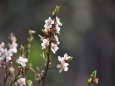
(15, 78)
(47, 65)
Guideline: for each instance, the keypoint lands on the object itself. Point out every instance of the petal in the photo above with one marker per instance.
(66, 64)
(60, 70)
(18, 61)
(25, 60)
(66, 69)
(59, 58)
(58, 66)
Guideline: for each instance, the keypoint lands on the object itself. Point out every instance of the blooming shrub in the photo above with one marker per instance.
(50, 42)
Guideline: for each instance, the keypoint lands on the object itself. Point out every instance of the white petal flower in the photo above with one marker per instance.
(11, 69)
(8, 56)
(63, 66)
(45, 43)
(58, 21)
(13, 47)
(22, 61)
(54, 48)
(22, 81)
(3, 53)
(2, 45)
(49, 23)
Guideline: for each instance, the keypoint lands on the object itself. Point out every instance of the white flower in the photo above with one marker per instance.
(45, 43)
(22, 81)
(13, 47)
(54, 48)
(22, 61)
(63, 66)
(3, 53)
(2, 45)
(8, 56)
(11, 69)
(58, 21)
(57, 29)
(49, 23)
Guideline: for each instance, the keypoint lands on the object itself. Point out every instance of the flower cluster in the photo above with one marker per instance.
(6, 54)
(63, 62)
(51, 28)
(50, 42)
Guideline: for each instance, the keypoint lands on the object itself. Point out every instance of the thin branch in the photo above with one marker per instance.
(15, 78)
(47, 65)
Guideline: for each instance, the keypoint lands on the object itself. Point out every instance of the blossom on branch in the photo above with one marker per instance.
(48, 23)
(45, 43)
(58, 21)
(22, 61)
(54, 48)
(62, 65)
(22, 81)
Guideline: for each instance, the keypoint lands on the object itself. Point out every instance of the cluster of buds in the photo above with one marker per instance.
(93, 78)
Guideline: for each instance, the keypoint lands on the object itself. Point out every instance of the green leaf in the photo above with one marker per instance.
(89, 80)
(56, 10)
(32, 32)
(30, 65)
(43, 30)
(31, 39)
(28, 45)
(21, 48)
(93, 75)
(71, 58)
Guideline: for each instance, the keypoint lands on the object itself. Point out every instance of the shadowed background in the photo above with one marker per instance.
(87, 34)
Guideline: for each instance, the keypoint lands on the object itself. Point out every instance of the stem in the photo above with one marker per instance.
(5, 78)
(47, 65)
(89, 84)
(15, 78)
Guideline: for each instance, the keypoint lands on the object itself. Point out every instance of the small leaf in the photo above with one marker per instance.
(43, 30)
(30, 65)
(21, 48)
(89, 80)
(32, 31)
(56, 10)
(70, 59)
(28, 45)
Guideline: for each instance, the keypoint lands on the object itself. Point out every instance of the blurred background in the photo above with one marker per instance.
(87, 34)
